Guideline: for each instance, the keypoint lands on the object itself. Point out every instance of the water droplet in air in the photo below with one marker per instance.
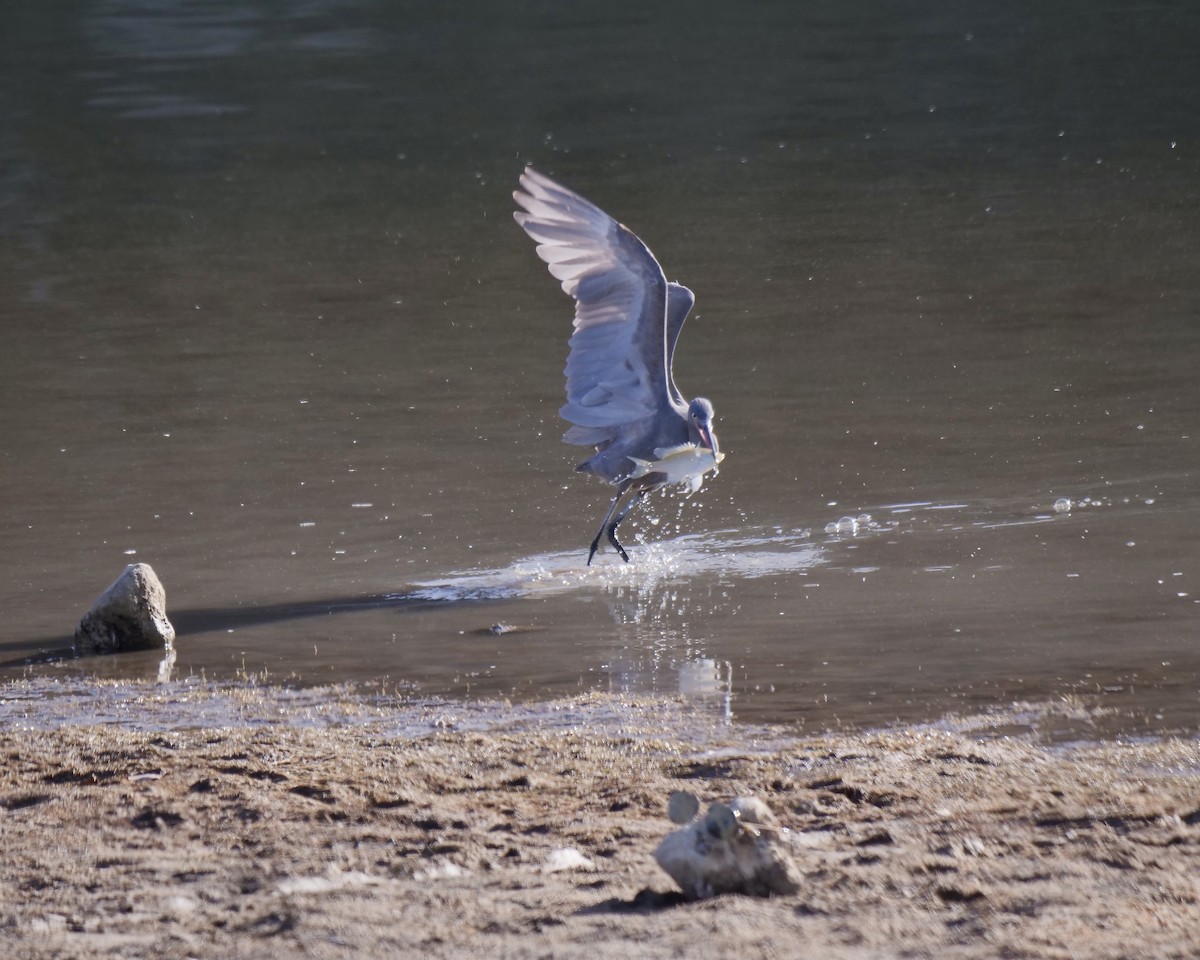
(682, 806)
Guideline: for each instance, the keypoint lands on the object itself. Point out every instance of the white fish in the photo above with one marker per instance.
(686, 463)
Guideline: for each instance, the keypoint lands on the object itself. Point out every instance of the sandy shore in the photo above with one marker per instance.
(381, 834)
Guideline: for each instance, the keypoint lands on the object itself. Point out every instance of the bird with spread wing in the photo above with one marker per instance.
(621, 394)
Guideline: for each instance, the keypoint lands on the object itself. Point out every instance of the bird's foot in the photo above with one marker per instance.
(612, 538)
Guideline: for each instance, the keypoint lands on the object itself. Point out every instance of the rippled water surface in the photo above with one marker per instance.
(268, 325)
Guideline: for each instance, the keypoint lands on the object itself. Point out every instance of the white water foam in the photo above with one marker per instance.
(732, 553)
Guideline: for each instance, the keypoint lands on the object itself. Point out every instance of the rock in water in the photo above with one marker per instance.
(734, 848)
(130, 615)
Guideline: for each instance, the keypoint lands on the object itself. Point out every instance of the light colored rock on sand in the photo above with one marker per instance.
(734, 848)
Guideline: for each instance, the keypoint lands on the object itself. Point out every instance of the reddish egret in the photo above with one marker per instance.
(621, 395)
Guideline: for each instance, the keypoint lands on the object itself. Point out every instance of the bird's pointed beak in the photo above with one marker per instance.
(709, 439)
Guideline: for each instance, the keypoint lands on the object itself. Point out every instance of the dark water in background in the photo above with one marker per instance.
(268, 325)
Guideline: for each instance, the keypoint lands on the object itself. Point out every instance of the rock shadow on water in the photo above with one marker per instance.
(204, 620)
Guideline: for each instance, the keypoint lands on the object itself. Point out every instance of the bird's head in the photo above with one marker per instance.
(700, 418)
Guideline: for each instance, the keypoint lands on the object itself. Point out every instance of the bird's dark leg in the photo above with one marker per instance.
(612, 527)
(612, 508)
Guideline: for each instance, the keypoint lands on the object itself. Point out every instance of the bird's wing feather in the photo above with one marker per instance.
(679, 303)
(617, 367)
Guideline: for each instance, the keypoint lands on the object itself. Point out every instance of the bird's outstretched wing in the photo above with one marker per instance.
(617, 371)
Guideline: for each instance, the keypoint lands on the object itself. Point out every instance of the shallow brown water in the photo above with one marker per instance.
(269, 327)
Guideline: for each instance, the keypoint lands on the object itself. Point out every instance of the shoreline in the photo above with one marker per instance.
(274, 825)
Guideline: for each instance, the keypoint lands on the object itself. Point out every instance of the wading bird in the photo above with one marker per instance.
(621, 395)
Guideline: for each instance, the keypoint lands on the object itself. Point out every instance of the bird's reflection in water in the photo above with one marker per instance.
(662, 624)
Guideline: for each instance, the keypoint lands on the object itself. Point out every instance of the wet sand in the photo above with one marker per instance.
(386, 831)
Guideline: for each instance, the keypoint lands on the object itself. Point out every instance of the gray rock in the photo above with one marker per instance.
(130, 615)
(734, 848)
